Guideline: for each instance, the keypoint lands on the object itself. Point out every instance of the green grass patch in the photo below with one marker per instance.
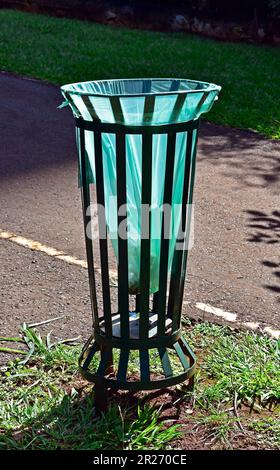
(45, 404)
(241, 366)
(64, 50)
(267, 428)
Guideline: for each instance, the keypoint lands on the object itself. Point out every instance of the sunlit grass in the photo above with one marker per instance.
(241, 365)
(45, 404)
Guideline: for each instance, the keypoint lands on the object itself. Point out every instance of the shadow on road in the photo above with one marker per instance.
(246, 156)
(266, 229)
(35, 134)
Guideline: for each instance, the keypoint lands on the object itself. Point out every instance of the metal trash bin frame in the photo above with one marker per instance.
(167, 336)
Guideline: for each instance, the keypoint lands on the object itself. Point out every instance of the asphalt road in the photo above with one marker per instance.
(235, 262)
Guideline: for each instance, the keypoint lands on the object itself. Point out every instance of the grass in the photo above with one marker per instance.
(45, 404)
(238, 386)
(64, 50)
(240, 365)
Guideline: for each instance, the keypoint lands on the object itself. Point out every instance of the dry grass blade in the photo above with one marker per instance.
(33, 325)
(12, 351)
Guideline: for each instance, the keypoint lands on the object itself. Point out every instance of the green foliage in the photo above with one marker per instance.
(63, 51)
(49, 418)
(219, 425)
(44, 404)
(42, 407)
(242, 366)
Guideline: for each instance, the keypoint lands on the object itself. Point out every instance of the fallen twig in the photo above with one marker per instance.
(214, 288)
(32, 325)
(33, 384)
(63, 341)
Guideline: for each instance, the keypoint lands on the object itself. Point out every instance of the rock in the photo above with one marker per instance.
(200, 27)
(110, 15)
(179, 23)
(195, 24)
(261, 33)
(208, 28)
(219, 32)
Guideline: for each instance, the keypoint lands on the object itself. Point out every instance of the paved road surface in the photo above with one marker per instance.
(235, 262)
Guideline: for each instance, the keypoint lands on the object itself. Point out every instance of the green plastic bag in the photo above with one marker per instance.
(97, 100)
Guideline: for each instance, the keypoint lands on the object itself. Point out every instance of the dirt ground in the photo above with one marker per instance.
(235, 262)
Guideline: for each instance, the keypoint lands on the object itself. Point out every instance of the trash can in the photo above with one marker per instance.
(137, 142)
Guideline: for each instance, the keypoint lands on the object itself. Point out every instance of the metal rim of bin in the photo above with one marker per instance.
(166, 339)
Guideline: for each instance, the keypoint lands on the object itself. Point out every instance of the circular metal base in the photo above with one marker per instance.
(117, 377)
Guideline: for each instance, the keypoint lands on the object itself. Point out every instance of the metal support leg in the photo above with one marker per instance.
(100, 397)
(191, 384)
(110, 364)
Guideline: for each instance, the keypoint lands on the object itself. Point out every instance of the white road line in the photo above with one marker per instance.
(37, 246)
(47, 250)
(216, 311)
(272, 332)
(53, 252)
(253, 325)
(233, 317)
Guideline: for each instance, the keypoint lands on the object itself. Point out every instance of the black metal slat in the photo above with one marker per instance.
(123, 300)
(105, 362)
(147, 142)
(188, 351)
(123, 364)
(137, 303)
(90, 107)
(149, 108)
(87, 220)
(173, 299)
(117, 109)
(147, 85)
(165, 227)
(155, 302)
(183, 358)
(174, 85)
(147, 168)
(103, 242)
(111, 128)
(179, 103)
(166, 365)
(188, 225)
(202, 100)
(90, 355)
(144, 365)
